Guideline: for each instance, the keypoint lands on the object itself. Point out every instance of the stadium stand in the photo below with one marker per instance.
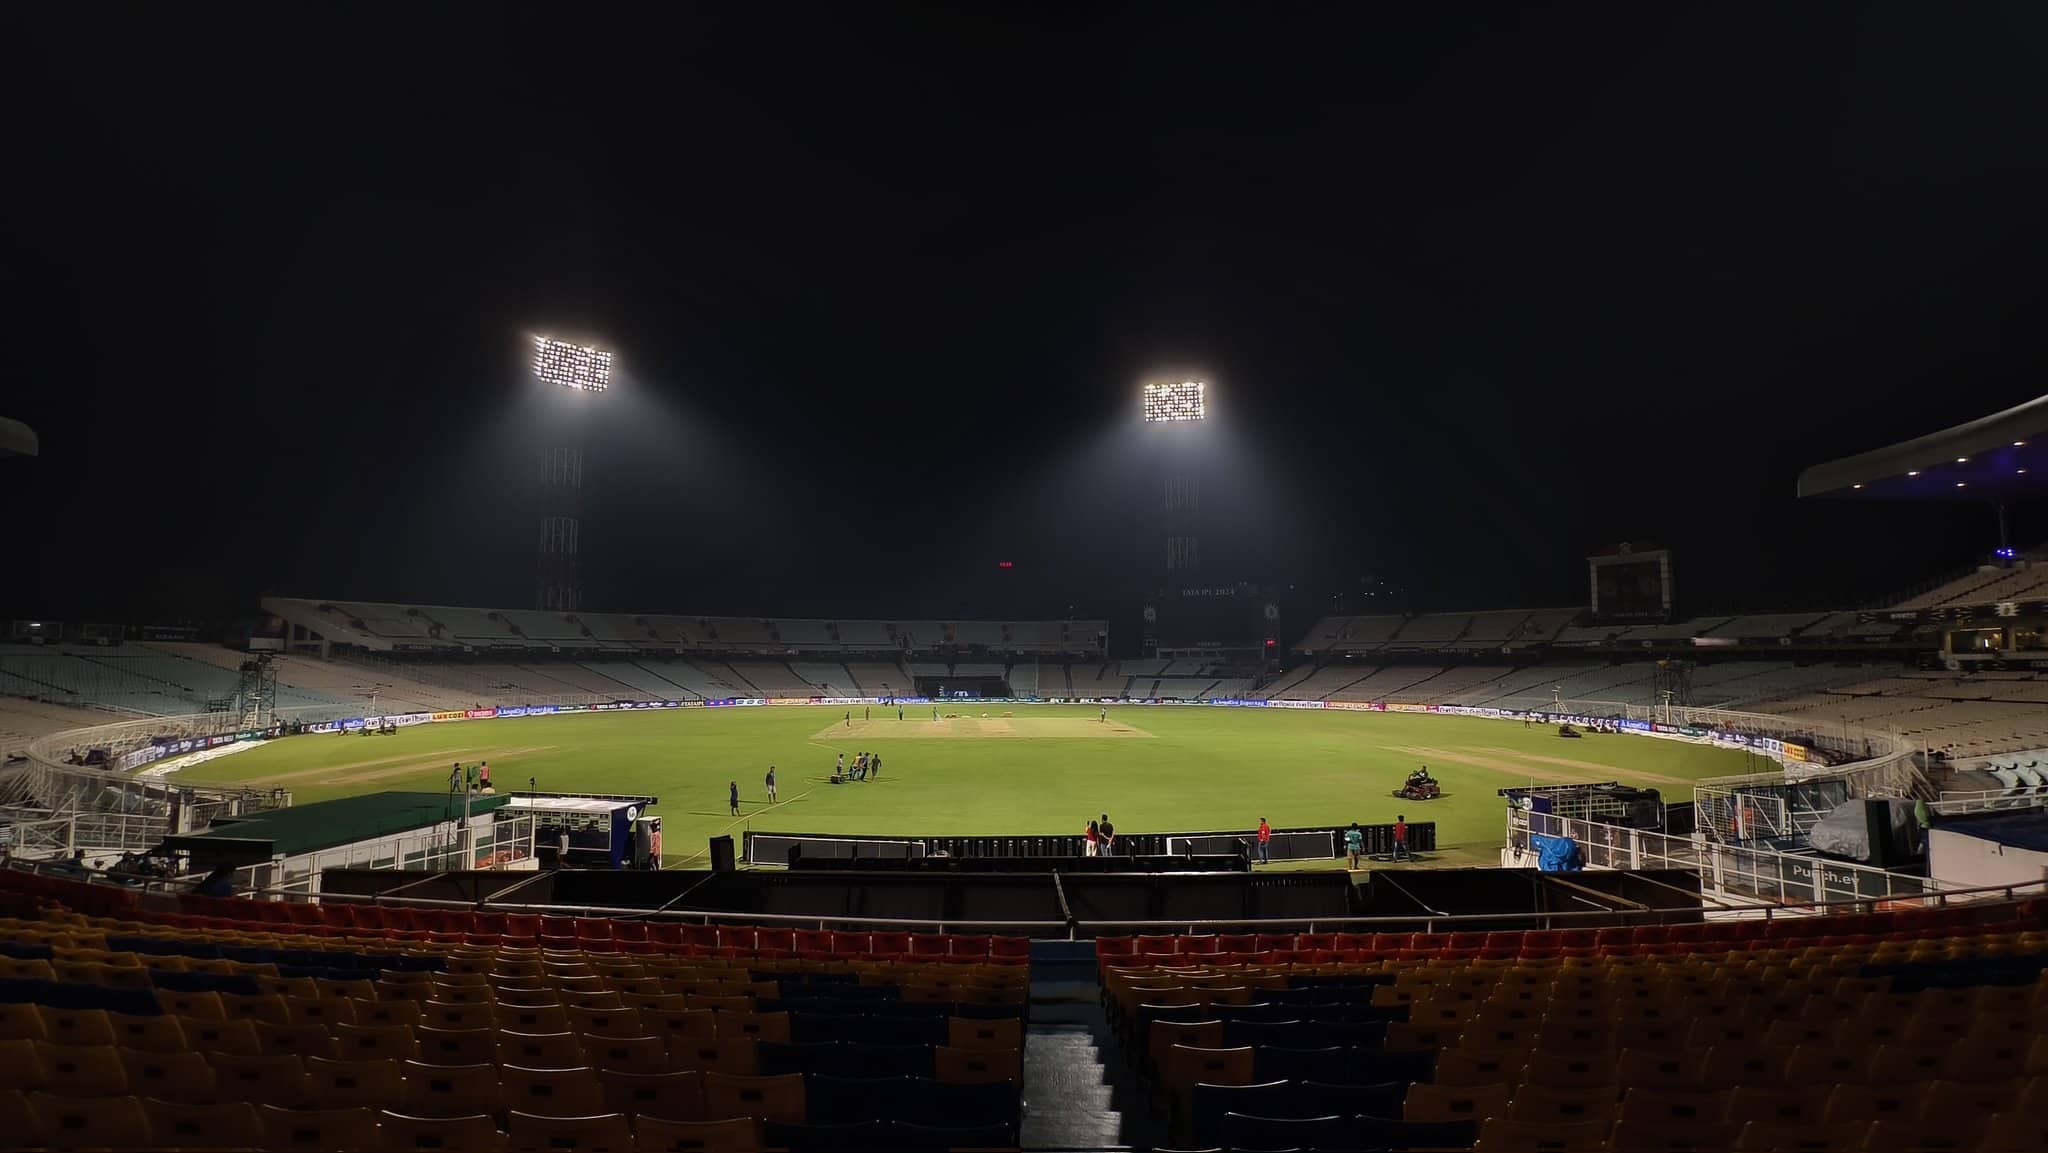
(741, 632)
(922, 636)
(1319, 684)
(1767, 626)
(1904, 1030)
(870, 635)
(1454, 685)
(260, 1025)
(773, 679)
(979, 634)
(1098, 680)
(706, 681)
(23, 720)
(673, 632)
(1023, 679)
(615, 630)
(2025, 579)
(805, 635)
(481, 628)
(875, 679)
(645, 682)
(826, 680)
(542, 626)
(1428, 633)
(583, 680)
(1385, 684)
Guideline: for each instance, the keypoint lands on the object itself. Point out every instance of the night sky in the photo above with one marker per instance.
(1480, 291)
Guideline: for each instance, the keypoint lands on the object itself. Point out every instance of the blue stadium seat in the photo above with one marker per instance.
(810, 1138)
(1389, 1133)
(833, 1100)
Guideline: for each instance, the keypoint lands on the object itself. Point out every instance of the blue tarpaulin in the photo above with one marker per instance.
(1557, 854)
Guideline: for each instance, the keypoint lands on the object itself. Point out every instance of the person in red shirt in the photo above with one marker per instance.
(1401, 837)
(1265, 842)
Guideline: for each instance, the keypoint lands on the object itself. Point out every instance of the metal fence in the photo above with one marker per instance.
(1725, 870)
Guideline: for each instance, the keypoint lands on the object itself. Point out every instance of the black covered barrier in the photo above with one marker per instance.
(769, 848)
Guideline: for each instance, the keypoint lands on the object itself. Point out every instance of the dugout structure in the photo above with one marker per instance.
(774, 848)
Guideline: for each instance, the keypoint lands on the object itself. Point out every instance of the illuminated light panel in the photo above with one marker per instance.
(571, 365)
(1915, 472)
(1183, 401)
(1855, 486)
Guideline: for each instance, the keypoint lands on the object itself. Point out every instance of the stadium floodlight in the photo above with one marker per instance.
(571, 365)
(1171, 402)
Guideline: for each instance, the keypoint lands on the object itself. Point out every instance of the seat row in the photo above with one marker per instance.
(42, 1120)
(1680, 939)
(1990, 1133)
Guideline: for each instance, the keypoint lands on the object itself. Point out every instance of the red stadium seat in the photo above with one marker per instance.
(939, 944)
(1127, 946)
(782, 941)
(970, 947)
(1017, 949)
(522, 926)
(1314, 942)
(1207, 945)
(1171, 945)
(813, 943)
(850, 944)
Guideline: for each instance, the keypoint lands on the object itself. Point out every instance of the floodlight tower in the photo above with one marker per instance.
(1184, 404)
(579, 370)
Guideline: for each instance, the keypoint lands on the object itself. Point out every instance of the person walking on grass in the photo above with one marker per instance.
(899, 712)
(1354, 845)
(771, 784)
(849, 718)
(732, 793)
(874, 765)
(1265, 842)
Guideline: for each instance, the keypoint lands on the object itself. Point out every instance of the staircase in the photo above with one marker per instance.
(1072, 1098)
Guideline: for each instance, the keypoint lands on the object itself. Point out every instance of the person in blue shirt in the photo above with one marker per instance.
(733, 796)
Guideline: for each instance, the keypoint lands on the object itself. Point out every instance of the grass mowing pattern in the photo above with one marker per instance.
(1045, 769)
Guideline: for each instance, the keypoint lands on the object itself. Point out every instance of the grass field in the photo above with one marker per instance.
(1032, 769)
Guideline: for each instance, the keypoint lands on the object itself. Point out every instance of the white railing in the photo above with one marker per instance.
(1956, 802)
(1748, 873)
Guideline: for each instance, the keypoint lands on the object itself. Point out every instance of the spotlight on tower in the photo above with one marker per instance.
(571, 365)
(1172, 402)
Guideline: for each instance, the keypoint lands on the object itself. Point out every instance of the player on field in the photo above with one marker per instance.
(733, 796)
(1103, 716)
(771, 784)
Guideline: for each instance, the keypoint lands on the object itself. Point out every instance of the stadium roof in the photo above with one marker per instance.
(16, 438)
(300, 829)
(1993, 456)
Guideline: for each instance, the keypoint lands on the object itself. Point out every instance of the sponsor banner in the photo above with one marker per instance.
(1296, 704)
(1230, 702)
(798, 700)
(478, 714)
(1794, 752)
(1411, 708)
(734, 701)
(457, 715)
(1355, 706)
(1634, 726)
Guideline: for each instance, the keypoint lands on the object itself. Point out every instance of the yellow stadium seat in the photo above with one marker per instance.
(83, 1070)
(222, 1036)
(383, 1013)
(1825, 1064)
(449, 1090)
(279, 1081)
(374, 1083)
(1673, 1106)
(1740, 1064)
(20, 1022)
(256, 1007)
(180, 1077)
(627, 1054)
(1777, 1105)
(773, 1027)
(733, 1135)
(762, 1098)
(158, 1034)
(1781, 1136)
(558, 1050)
(1645, 1137)
(1848, 1103)
(1502, 1135)
(976, 1066)
(733, 1058)
(78, 1026)
(225, 1125)
(970, 1033)
(601, 1133)
(91, 1122)
(1946, 1099)
(1543, 1105)
(673, 1096)
(1904, 1064)
(2006, 1132)
(1428, 1102)
(1560, 1071)
(1462, 1066)
(402, 1133)
(1957, 1133)
(552, 1092)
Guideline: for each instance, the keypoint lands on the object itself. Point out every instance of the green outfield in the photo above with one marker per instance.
(998, 769)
